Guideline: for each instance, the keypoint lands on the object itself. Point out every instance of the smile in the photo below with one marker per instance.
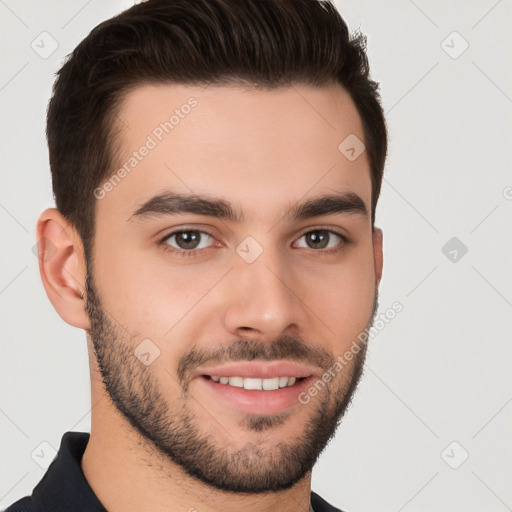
(268, 384)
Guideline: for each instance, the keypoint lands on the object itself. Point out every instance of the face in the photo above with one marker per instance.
(233, 267)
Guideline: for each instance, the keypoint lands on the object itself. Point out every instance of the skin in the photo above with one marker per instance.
(262, 151)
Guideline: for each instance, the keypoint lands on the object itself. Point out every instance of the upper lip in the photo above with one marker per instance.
(259, 369)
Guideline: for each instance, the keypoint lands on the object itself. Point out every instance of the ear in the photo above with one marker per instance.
(62, 267)
(377, 253)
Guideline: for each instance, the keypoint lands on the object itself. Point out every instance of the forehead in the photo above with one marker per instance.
(250, 145)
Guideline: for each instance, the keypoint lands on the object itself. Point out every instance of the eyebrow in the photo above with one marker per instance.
(169, 203)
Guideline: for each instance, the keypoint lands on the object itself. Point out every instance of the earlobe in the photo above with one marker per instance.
(377, 253)
(62, 267)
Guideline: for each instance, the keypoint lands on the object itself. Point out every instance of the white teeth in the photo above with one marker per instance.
(236, 381)
(258, 384)
(252, 383)
(270, 384)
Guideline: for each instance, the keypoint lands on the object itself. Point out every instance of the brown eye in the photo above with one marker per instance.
(321, 239)
(188, 240)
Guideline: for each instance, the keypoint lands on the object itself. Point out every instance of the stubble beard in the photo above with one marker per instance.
(255, 467)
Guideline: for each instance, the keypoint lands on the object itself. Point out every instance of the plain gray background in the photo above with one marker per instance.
(429, 429)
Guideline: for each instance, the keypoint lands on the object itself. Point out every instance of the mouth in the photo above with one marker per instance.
(249, 383)
(256, 387)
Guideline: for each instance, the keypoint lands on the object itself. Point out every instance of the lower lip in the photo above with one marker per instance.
(253, 401)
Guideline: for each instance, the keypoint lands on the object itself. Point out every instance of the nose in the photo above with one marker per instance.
(262, 299)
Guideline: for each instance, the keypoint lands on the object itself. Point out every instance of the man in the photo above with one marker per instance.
(216, 166)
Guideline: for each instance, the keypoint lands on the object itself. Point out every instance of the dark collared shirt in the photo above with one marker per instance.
(64, 487)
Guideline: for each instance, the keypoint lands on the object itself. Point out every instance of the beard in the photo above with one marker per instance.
(175, 431)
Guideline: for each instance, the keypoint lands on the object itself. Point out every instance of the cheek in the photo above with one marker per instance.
(151, 296)
(344, 298)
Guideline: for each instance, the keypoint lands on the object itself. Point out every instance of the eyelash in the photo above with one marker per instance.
(195, 252)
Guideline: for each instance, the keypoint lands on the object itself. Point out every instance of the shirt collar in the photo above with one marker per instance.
(64, 486)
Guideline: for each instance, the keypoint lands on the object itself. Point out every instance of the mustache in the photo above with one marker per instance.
(293, 348)
(286, 347)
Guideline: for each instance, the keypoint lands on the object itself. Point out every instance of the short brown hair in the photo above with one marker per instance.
(268, 43)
